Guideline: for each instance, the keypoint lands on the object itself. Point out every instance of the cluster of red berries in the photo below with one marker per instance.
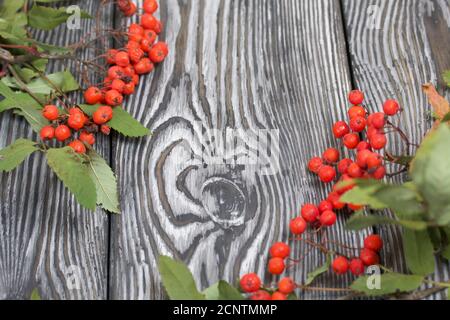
(368, 163)
(126, 65)
(251, 283)
(367, 257)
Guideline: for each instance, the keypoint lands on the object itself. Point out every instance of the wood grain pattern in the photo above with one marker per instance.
(395, 46)
(239, 65)
(46, 240)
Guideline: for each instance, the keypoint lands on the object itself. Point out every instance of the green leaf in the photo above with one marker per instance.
(390, 283)
(363, 194)
(48, 18)
(419, 252)
(10, 8)
(447, 77)
(358, 222)
(35, 295)
(13, 155)
(446, 118)
(121, 122)
(63, 80)
(314, 274)
(430, 171)
(178, 280)
(105, 182)
(222, 290)
(70, 168)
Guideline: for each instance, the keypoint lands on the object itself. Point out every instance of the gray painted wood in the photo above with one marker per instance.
(233, 64)
(395, 46)
(46, 240)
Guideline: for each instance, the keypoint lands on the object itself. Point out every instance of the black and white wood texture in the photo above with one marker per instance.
(46, 240)
(247, 65)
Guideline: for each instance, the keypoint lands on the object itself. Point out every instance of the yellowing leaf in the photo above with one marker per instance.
(440, 105)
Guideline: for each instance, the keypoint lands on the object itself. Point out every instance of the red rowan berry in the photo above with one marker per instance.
(136, 54)
(358, 124)
(158, 52)
(148, 21)
(280, 250)
(356, 97)
(50, 112)
(151, 36)
(357, 267)
(276, 266)
(310, 213)
(373, 242)
(118, 85)
(62, 133)
(371, 131)
(250, 283)
(132, 45)
(327, 174)
(315, 164)
(331, 155)
(102, 115)
(131, 11)
(391, 107)
(357, 111)
(379, 173)
(128, 88)
(369, 257)
(340, 265)
(143, 66)
(78, 146)
(378, 120)
(325, 205)
(355, 171)
(92, 95)
(298, 226)
(115, 72)
(286, 286)
(378, 141)
(76, 120)
(146, 45)
(340, 129)
(113, 98)
(363, 145)
(47, 133)
(150, 6)
(111, 56)
(87, 137)
(135, 79)
(278, 296)
(135, 32)
(328, 218)
(361, 158)
(343, 165)
(374, 161)
(261, 295)
(334, 198)
(106, 130)
(351, 140)
(122, 59)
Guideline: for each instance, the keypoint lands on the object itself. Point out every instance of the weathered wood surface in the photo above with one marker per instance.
(46, 240)
(395, 46)
(239, 65)
(234, 64)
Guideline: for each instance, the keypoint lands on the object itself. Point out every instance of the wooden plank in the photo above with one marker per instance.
(395, 47)
(233, 64)
(46, 240)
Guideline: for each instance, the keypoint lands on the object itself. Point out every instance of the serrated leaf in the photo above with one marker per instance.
(105, 182)
(121, 122)
(70, 168)
(357, 222)
(12, 156)
(390, 283)
(178, 280)
(321, 270)
(35, 295)
(48, 18)
(63, 80)
(419, 252)
(431, 173)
